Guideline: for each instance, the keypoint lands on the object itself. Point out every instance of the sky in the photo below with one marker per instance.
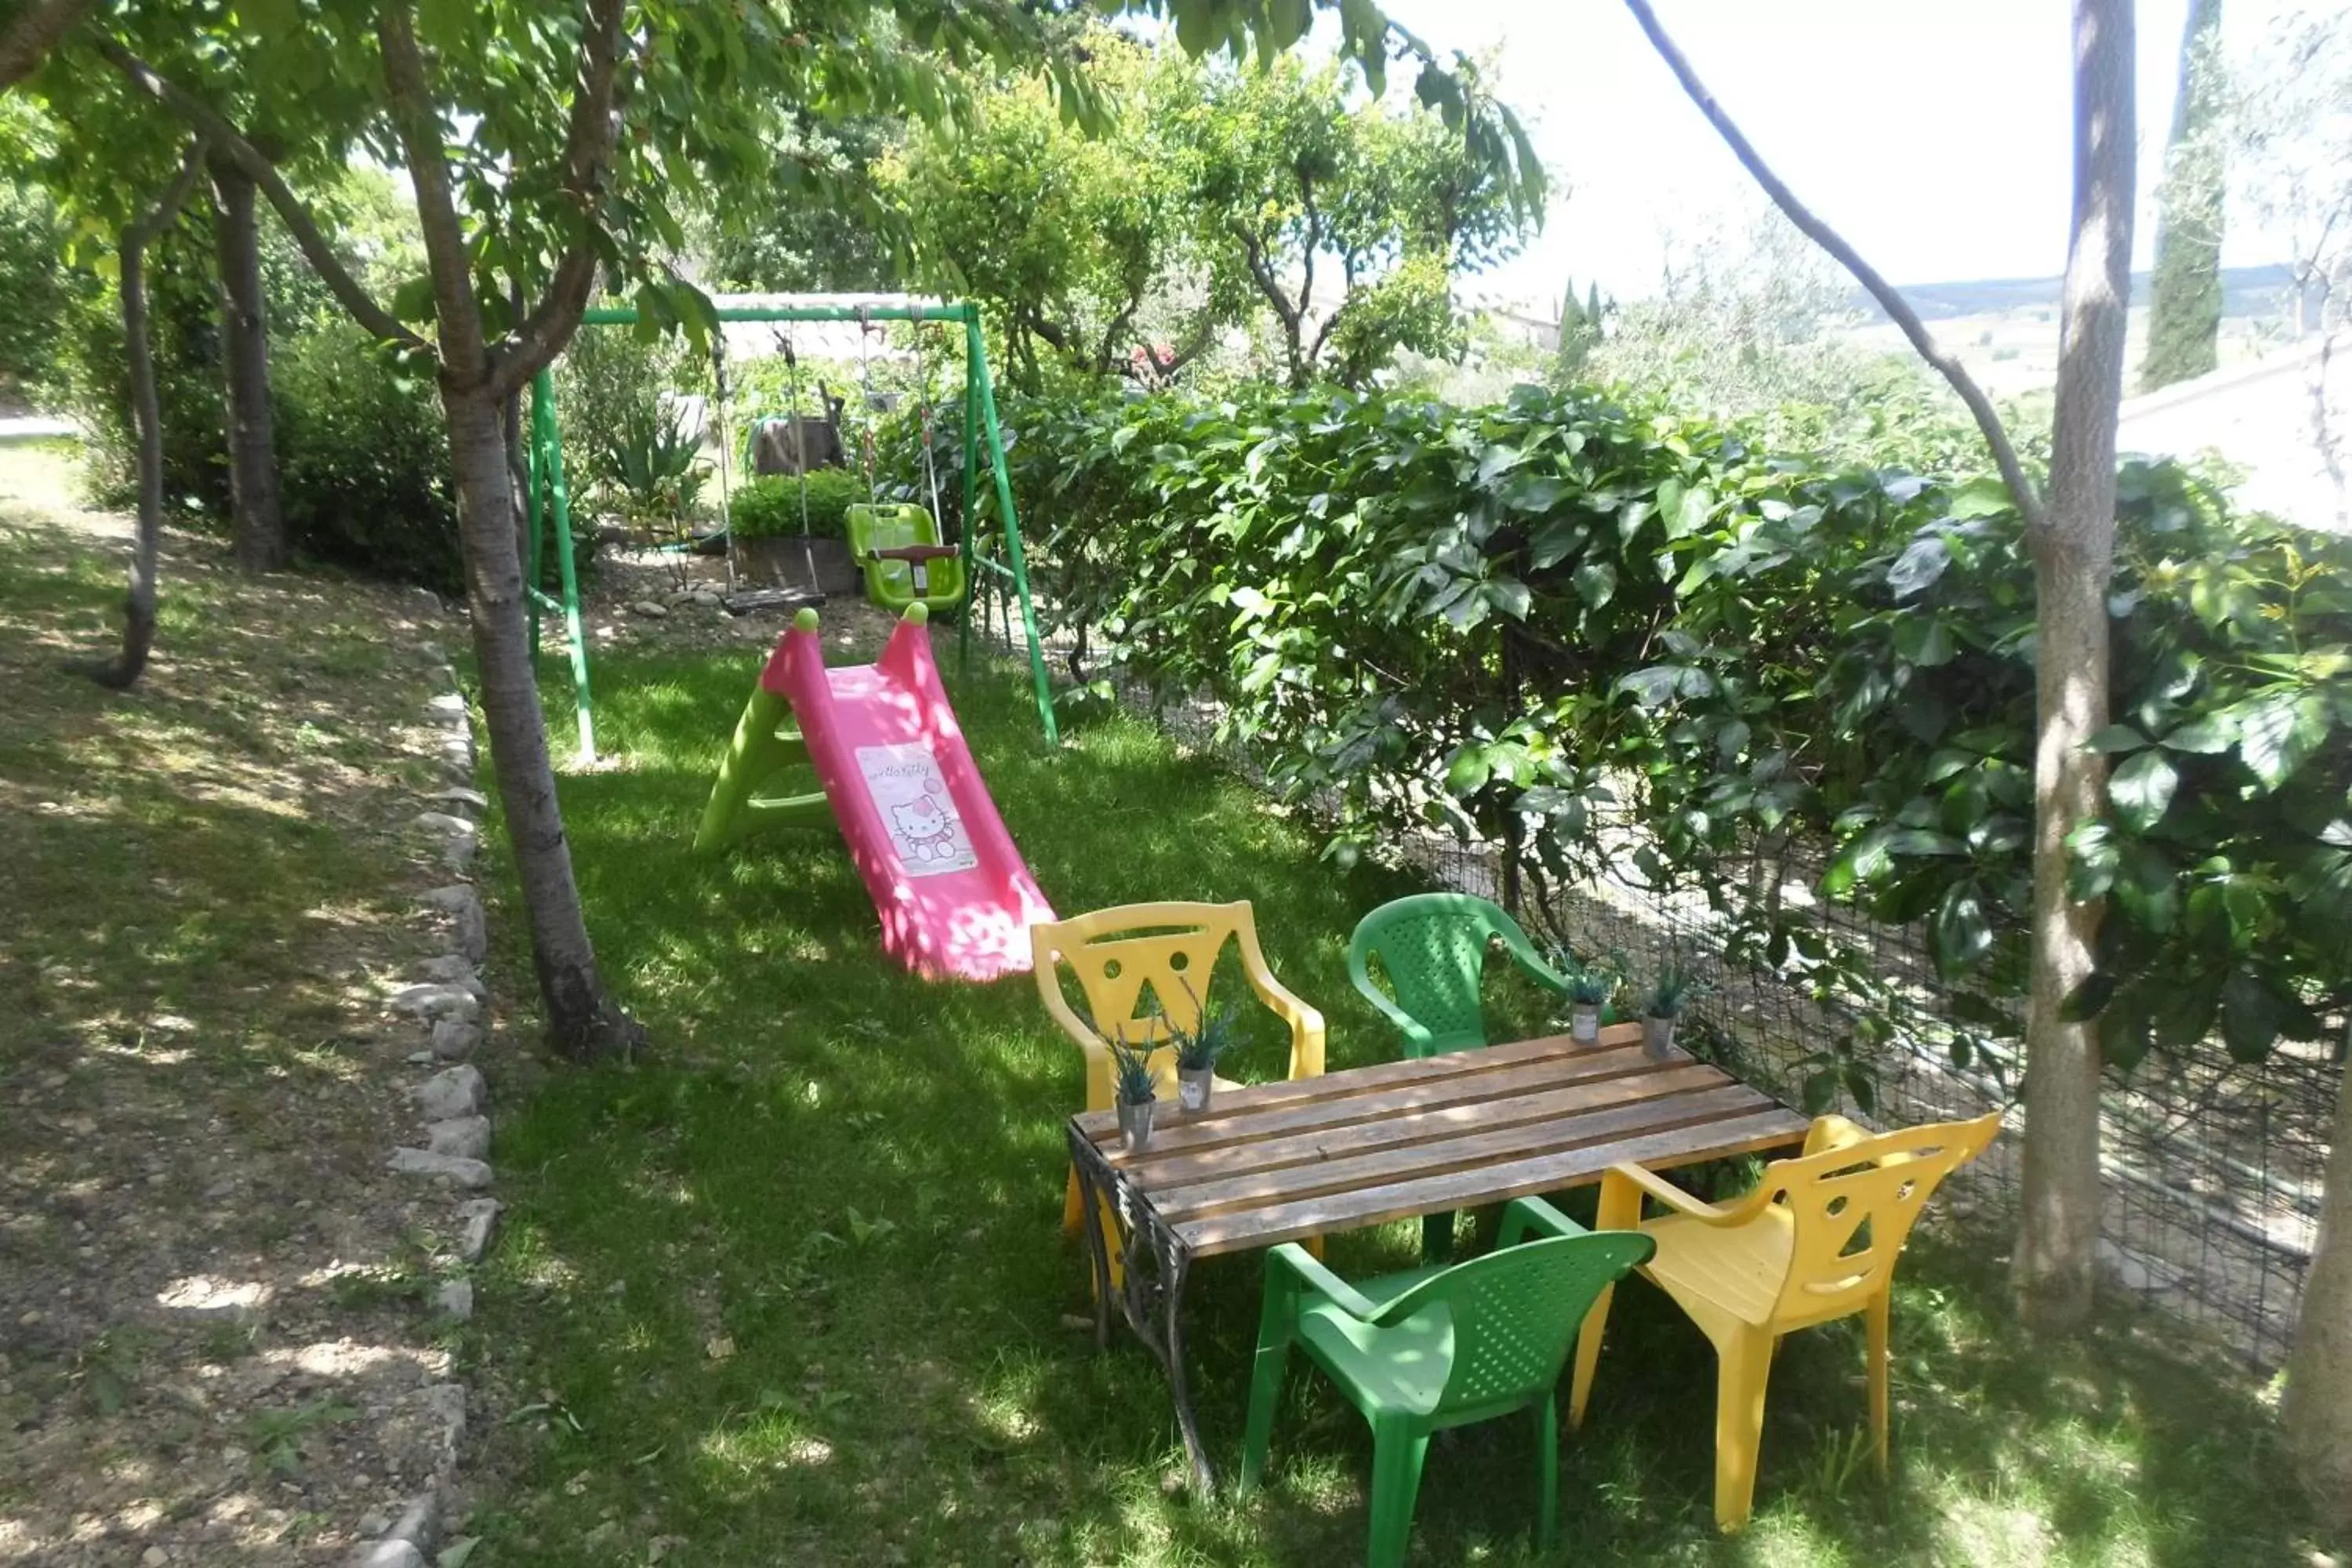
(1934, 134)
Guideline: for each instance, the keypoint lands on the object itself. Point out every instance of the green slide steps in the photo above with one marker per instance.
(766, 743)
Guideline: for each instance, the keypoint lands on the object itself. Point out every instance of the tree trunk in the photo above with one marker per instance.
(582, 1021)
(260, 525)
(147, 416)
(2058, 1232)
(2318, 1405)
(510, 420)
(36, 29)
(2184, 318)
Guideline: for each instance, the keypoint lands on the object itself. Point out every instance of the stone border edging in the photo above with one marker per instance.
(450, 1002)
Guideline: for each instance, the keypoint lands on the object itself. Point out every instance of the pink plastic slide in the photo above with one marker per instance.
(955, 897)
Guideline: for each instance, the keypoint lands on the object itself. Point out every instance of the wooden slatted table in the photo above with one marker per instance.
(1284, 1161)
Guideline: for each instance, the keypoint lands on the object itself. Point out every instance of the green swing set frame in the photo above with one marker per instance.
(548, 495)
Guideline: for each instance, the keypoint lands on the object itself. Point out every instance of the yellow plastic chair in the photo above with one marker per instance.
(1816, 1240)
(1174, 948)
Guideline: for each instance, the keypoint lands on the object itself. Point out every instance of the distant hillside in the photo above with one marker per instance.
(2245, 291)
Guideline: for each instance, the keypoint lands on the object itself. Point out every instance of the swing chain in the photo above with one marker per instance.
(721, 394)
(923, 420)
(792, 423)
(866, 391)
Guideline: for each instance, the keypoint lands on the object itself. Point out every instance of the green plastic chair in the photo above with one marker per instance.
(1432, 1348)
(1432, 946)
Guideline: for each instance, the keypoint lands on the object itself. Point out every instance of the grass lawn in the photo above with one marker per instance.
(796, 1293)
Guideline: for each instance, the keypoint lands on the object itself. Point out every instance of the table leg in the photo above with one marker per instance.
(1090, 1211)
(1150, 1288)
(1175, 1267)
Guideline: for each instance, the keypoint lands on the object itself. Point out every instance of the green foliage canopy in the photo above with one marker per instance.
(1283, 174)
(1209, 192)
(1074, 242)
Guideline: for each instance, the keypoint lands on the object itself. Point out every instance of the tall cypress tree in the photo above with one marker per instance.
(2184, 327)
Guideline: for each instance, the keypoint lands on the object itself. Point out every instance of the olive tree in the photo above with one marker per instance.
(1347, 216)
(2289, 119)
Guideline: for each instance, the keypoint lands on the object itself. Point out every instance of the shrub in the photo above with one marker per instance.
(1568, 613)
(608, 393)
(41, 288)
(185, 335)
(770, 507)
(363, 461)
(654, 471)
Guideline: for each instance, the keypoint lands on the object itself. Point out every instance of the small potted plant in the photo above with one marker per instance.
(1591, 984)
(1131, 1075)
(1675, 989)
(1197, 1050)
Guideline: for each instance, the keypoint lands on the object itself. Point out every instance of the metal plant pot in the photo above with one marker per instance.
(1658, 1037)
(1584, 1024)
(1193, 1086)
(1135, 1124)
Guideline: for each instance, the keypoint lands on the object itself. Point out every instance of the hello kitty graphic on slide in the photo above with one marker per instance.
(924, 830)
(913, 799)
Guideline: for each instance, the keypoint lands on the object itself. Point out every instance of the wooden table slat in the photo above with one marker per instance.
(1373, 1101)
(1102, 1126)
(1482, 1151)
(1264, 1227)
(1168, 1169)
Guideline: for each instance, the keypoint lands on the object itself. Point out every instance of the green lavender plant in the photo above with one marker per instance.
(1132, 1071)
(1198, 1048)
(1591, 981)
(1675, 989)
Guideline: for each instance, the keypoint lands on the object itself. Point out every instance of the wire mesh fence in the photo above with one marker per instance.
(2212, 1167)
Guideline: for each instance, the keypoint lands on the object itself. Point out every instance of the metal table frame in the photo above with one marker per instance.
(1155, 1261)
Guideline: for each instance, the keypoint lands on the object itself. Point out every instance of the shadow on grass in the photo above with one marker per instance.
(796, 1291)
(179, 864)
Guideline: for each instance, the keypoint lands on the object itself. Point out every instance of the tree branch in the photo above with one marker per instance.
(1267, 284)
(1052, 335)
(1996, 436)
(457, 317)
(215, 128)
(588, 146)
(1204, 333)
(1106, 356)
(1307, 262)
(32, 33)
(142, 230)
(1323, 333)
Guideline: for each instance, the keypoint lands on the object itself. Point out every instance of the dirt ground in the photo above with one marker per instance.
(219, 1342)
(643, 598)
(223, 1323)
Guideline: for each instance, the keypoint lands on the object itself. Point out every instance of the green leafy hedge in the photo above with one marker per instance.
(1567, 610)
(770, 508)
(363, 461)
